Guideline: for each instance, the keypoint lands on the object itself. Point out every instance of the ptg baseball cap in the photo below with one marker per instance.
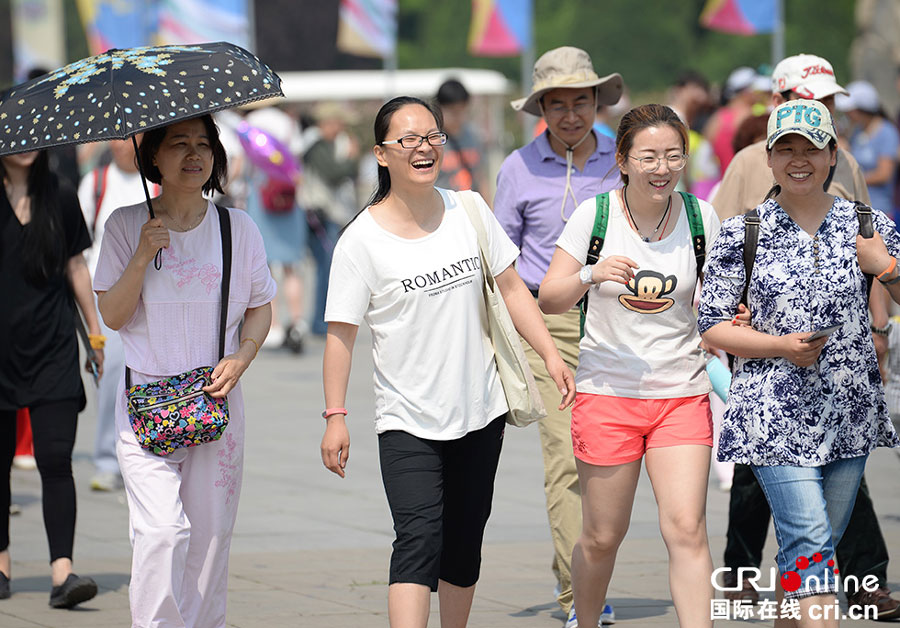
(808, 118)
(808, 76)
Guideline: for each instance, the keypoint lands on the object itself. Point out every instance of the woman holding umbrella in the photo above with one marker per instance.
(183, 506)
(42, 235)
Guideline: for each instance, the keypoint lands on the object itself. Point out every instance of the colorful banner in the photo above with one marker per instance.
(500, 28)
(38, 33)
(739, 17)
(117, 23)
(199, 21)
(368, 28)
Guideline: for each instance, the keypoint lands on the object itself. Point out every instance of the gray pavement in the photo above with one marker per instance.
(311, 549)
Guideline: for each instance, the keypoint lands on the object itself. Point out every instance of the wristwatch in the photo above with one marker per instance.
(881, 331)
(586, 274)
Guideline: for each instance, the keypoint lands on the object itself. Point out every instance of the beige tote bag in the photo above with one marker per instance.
(522, 395)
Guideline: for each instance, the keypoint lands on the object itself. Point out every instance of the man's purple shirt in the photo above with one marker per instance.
(530, 188)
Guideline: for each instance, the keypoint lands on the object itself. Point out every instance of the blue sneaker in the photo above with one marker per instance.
(607, 617)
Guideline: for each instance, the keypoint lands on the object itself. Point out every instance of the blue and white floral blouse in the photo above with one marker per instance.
(779, 413)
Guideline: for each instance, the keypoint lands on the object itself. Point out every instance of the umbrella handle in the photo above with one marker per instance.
(157, 261)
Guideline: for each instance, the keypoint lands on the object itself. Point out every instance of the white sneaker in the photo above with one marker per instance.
(275, 338)
(25, 462)
(607, 617)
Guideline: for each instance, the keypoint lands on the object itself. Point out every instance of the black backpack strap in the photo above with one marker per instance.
(751, 239)
(698, 235)
(225, 229)
(595, 245)
(866, 230)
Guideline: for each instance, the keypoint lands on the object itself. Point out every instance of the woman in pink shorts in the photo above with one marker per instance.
(642, 387)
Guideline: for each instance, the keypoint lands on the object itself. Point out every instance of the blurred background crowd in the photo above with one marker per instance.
(302, 166)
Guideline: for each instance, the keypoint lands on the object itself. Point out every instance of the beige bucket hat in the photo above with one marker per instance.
(568, 67)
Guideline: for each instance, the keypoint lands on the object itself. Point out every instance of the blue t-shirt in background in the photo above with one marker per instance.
(868, 149)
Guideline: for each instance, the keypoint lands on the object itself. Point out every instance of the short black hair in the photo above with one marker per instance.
(451, 92)
(153, 139)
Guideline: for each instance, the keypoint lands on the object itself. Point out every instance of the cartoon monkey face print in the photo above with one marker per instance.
(647, 292)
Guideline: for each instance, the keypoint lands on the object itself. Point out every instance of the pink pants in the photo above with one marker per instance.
(182, 510)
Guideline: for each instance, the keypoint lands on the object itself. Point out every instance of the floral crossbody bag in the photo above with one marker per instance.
(174, 413)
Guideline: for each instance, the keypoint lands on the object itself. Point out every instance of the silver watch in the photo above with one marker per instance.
(586, 274)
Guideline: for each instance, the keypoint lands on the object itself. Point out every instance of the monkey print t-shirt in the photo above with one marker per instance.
(435, 375)
(641, 340)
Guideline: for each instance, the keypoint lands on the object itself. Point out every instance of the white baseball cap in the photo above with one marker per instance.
(808, 76)
(808, 118)
(861, 95)
(740, 79)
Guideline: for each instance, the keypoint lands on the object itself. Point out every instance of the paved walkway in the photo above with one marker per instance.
(311, 549)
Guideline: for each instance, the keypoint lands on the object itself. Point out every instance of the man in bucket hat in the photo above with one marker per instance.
(862, 550)
(538, 188)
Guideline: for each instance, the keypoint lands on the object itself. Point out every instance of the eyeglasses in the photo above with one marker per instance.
(651, 164)
(560, 111)
(414, 141)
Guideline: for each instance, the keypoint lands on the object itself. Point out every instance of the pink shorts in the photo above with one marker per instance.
(608, 430)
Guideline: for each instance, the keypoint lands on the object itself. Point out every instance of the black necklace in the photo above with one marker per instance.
(631, 216)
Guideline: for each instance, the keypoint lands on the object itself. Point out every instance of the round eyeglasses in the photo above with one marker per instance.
(414, 141)
(651, 164)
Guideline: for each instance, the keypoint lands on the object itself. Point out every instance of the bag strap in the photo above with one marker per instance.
(225, 231)
(698, 236)
(751, 239)
(866, 230)
(467, 197)
(595, 245)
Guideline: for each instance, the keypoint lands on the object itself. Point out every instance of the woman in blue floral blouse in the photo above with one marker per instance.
(804, 414)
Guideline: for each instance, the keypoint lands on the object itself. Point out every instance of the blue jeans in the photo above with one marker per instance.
(811, 507)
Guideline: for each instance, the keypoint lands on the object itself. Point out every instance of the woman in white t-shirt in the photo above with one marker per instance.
(642, 387)
(409, 266)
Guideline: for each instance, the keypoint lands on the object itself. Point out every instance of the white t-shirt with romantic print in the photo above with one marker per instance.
(435, 375)
(175, 327)
(641, 341)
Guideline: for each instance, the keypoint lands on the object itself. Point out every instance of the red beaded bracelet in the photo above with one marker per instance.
(327, 413)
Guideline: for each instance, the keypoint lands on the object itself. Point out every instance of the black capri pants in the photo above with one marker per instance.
(439, 493)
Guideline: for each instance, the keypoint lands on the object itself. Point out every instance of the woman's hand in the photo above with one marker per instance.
(562, 376)
(335, 446)
(154, 236)
(616, 268)
(872, 254)
(98, 360)
(742, 318)
(802, 353)
(227, 373)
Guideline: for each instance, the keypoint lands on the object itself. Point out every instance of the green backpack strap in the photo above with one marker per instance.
(598, 234)
(698, 237)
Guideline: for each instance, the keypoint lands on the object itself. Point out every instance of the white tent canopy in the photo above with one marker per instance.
(341, 85)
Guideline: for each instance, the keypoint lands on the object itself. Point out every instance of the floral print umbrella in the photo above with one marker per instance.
(119, 93)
